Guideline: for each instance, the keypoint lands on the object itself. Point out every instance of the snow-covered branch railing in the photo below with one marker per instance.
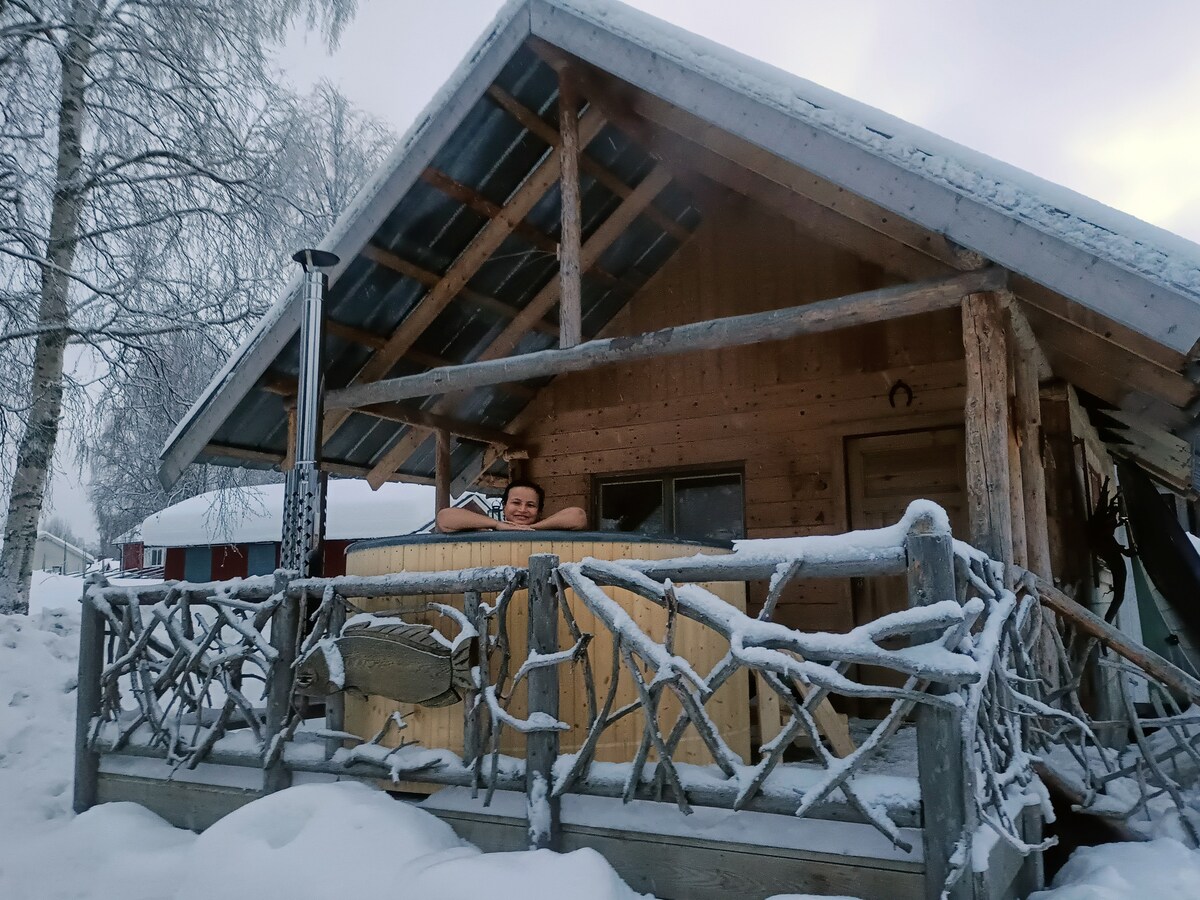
(210, 673)
(206, 672)
(1114, 725)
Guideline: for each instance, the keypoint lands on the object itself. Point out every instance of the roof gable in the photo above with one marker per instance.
(944, 203)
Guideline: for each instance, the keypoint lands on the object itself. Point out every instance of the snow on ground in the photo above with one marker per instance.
(289, 844)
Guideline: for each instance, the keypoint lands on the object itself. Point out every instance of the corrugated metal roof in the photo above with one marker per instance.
(1109, 263)
(492, 154)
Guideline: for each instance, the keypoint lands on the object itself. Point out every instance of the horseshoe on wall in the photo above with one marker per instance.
(896, 388)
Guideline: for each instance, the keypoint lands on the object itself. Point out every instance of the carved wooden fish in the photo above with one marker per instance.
(396, 660)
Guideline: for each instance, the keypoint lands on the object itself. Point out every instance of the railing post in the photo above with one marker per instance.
(335, 704)
(87, 700)
(541, 747)
(942, 761)
(285, 624)
(471, 730)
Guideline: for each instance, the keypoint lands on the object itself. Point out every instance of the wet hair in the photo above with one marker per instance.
(525, 483)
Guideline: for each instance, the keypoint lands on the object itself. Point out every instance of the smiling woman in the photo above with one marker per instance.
(522, 511)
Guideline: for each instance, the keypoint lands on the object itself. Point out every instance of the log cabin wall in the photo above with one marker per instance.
(780, 411)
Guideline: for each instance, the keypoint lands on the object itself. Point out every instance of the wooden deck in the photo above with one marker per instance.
(711, 855)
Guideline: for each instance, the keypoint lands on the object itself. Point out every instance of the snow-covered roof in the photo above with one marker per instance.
(65, 545)
(1108, 262)
(255, 514)
(132, 536)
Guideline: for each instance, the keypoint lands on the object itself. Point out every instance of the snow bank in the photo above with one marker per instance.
(314, 841)
(1161, 869)
(310, 842)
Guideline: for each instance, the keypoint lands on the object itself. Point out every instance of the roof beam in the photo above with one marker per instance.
(472, 199)
(507, 340)
(535, 124)
(401, 266)
(366, 338)
(477, 252)
(274, 459)
(602, 238)
(429, 421)
(812, 318)
(285, 386)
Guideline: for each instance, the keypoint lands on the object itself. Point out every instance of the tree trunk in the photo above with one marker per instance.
(36, 450)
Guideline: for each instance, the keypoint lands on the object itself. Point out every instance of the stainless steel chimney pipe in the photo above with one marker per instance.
(304, 493)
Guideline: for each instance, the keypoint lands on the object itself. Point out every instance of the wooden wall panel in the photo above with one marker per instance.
(781, 411)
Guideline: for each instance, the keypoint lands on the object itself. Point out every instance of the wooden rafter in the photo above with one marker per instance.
(504, 343)
(285, 386)
(480, 204)
(535, 124)
(879, 305)
(274, 459)
(401, 266)
(476, 202)
(480, 249)
(354, 334)
(602, 238)
(801, 182)
(430, 421)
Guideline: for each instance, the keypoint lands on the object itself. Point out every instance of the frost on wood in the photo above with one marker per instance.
(188, 667)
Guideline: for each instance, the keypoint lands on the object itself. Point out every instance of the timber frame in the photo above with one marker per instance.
(601, 255)
(690, 137)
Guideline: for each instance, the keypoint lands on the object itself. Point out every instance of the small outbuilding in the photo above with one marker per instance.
(236, 532)
(52, 554)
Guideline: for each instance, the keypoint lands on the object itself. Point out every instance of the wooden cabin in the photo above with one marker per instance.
(704, 299)
(706, 187)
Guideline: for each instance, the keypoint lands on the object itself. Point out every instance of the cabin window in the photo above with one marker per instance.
(154, 556)
(691, 505)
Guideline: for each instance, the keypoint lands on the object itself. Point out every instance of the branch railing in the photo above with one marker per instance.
(194, 673)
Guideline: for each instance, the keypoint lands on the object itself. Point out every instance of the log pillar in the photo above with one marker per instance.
(570, 272)
(442, 470)
(986, 421)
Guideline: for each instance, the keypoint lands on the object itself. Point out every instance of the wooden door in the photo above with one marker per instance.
(884, 473)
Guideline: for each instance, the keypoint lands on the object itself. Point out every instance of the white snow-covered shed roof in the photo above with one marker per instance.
(54, 539)
(252, 515)
(1081, 264)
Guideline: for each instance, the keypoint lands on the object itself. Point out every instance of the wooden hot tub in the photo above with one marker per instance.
(443, 727)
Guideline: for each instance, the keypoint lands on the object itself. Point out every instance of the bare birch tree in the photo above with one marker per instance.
(329, 151)
(137, 145)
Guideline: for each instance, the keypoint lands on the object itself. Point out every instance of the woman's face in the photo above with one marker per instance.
(521, 507)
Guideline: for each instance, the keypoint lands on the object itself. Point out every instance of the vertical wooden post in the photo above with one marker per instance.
(986, 420)
(1016, 481)
(335, 704)
(87, 700)
(471, 731)
(289, 454)
(442, 471)
(943, 763)
(285, 627)
(570, 316)
(1033, 470)
(541, 747)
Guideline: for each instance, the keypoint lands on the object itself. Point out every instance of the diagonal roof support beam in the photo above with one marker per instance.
(822, 316)
(401, 266)
(534, 124)
(486, 242)
(507, 340)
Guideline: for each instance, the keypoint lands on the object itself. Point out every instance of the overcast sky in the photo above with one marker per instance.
(1102, 96)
